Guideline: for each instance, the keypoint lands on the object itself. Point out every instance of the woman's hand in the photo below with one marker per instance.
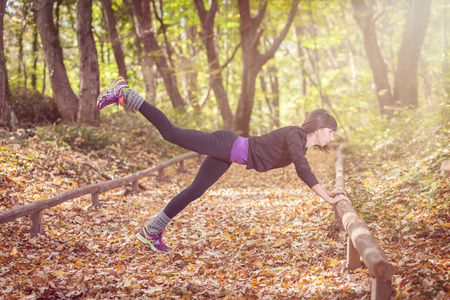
(332, 197)
(335, 192)
(339, 197)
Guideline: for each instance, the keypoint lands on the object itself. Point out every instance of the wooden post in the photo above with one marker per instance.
(199, 159)
(161, 176)
(181, 168)
(95, 200)
(134, 187)
(36, 223)
(353, 258)
(381, 289)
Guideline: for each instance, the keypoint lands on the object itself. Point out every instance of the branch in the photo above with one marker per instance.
(163, 29)
(211, 13)
(205, 97)
(283, 34)
(231, 57)
(260, 14)
(200, 9)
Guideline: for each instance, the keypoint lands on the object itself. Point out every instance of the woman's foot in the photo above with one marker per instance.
(154, 240)
(112, 94)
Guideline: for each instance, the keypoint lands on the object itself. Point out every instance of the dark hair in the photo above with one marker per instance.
(317, 119)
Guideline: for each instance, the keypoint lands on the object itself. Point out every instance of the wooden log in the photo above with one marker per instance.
(98, 188)
(359, 233)
(36, 223)
(364, 242)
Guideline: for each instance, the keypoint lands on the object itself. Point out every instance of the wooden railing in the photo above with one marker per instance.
(360, 241)
(35, 209)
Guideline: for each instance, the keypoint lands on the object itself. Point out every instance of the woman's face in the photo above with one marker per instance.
(324, 136)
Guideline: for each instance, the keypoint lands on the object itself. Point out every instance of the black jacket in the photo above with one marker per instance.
(280, 148)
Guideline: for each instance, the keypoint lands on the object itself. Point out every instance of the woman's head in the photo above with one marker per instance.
(318, 119)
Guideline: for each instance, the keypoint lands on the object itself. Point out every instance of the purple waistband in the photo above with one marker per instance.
(239, 151)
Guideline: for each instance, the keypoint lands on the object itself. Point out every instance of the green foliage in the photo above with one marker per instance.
(399, 161)
(77, 137)
(333, 62)
(32, 108)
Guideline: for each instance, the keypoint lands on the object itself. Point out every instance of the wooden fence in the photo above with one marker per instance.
(360, 242)
(35, 209)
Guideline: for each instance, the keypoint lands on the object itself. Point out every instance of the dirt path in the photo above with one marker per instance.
(251, 236)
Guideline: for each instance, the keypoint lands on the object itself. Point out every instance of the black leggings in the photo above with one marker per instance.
(215, 145)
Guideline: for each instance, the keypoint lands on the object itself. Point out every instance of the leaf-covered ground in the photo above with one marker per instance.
(251, 236)
(400, 190)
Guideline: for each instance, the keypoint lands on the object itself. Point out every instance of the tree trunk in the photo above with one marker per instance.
(141, 11)
(364, 17)
(189, 73)
(143, 21)
(274, 96)
(114, 37)
(215, 71)
(65, 98)
(301, 54)
(89, 70)
(20, 62)
(253, 60)
(7, 116)
(405, 87)
(35, 58)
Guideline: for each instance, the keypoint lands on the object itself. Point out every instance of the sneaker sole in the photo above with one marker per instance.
(145, 241)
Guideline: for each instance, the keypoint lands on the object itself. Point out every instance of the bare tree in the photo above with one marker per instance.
(143, 21)
(143, 25)
(253, 60)
(65, 98)
(108, 12)
(405, 85)
(364, 16)
(215, 70)
(89, 70)
(7, 116)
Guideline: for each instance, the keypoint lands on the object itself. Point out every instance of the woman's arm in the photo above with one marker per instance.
(332, 197)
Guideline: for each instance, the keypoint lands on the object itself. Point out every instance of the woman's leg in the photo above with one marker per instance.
(210, 171)
(208, 174)
(217, 144)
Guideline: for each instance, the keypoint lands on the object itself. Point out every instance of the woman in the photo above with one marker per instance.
(276, 149)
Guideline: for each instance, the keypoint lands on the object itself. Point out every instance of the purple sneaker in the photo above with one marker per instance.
(112, 94)
(154, 240)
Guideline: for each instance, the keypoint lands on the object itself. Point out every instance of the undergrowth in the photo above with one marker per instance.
(399, 161)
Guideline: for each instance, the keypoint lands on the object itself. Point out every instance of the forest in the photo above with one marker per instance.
(380, 67)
